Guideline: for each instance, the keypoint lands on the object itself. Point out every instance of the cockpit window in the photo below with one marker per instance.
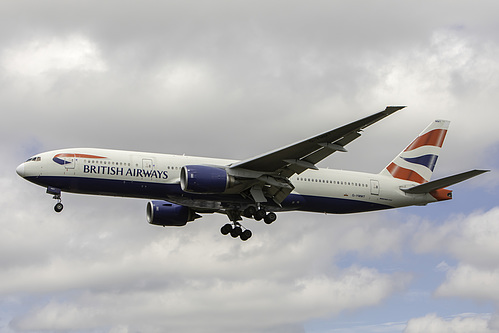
(35, 159)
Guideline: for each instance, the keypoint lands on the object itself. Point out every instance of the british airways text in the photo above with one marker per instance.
(117, 171)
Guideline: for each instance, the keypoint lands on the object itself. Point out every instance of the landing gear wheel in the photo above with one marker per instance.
(271, 217)
(246, 235)
(226, 229)
(260, 214)
(249, 212)
(58, 207)
(236, 232)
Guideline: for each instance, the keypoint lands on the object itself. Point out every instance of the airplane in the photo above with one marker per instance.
(180, 187)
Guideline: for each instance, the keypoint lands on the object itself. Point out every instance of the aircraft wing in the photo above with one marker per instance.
(272, 170)
(303, 155)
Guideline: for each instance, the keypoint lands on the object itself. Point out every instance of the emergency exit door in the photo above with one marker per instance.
(374, 187)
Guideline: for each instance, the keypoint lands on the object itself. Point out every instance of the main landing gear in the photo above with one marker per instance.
(260, 214)
(57, 196)
(236, 229)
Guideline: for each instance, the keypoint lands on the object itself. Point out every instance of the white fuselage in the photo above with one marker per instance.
(157, 176)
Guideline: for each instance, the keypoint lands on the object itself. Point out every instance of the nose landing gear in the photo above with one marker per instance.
(57, 196)
(58, 206)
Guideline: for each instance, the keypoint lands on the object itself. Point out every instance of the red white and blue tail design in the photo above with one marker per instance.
(417, 161)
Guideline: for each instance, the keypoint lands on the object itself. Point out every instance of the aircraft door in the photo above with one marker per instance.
(147, 164)
(374, 187)
(147, 167)
(144, 166)
(71, 161)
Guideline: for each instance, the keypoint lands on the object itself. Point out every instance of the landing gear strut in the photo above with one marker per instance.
(57, 196)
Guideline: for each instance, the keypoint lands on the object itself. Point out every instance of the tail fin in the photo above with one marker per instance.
(417, 161)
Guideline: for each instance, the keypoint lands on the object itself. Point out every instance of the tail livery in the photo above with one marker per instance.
(417, 161)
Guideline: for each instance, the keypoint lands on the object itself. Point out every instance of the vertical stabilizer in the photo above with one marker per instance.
(417, 161)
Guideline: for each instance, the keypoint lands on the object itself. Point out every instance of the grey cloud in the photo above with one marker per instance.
(233, 80)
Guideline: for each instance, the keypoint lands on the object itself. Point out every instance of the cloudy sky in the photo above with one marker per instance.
(234, 79)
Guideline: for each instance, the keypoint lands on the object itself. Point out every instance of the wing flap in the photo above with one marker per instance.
(329, 148)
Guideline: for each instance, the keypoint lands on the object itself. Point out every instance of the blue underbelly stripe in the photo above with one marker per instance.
(151, 190)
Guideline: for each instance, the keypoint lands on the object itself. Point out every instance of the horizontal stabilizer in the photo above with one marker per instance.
(444, 182)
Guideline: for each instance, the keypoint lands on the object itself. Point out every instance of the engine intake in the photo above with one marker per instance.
(204, 179)
(165, 213)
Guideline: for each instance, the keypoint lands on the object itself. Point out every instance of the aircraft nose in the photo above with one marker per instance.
(20, 170)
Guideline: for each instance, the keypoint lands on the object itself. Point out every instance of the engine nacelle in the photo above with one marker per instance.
(165, 213)
(204, 179)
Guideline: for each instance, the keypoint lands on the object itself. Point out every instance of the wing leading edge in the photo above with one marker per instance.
(303, 155)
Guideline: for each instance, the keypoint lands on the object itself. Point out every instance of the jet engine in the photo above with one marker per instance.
(205, 179)
(165, 213)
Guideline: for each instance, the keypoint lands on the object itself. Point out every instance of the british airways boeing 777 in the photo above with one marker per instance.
(182, 187)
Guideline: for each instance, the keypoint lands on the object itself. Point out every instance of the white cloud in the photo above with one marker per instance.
(470, 282)
(47, 55)
(432, 323)
(471, 239)
(248, 305)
